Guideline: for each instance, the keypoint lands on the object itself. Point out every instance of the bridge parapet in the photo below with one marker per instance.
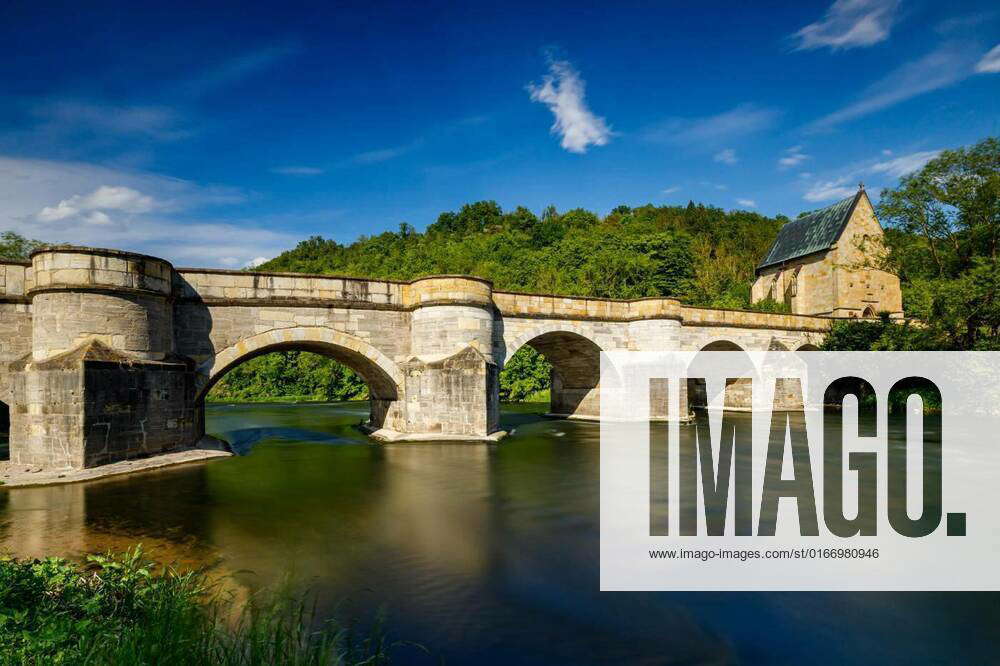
(516, 304)
(71, 268)
(225, 286)
(16, 279)
(694, 316)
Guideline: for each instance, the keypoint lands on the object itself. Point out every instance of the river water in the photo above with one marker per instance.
(486, 554)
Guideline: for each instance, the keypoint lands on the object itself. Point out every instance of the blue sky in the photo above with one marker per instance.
(216, 136)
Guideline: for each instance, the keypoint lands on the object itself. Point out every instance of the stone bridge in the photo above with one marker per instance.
(106, 355)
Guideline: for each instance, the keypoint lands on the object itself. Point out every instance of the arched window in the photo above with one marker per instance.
(869, 313)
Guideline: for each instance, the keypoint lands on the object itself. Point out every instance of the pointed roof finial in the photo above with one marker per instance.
(861, 186)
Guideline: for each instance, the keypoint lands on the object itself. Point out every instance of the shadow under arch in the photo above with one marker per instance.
(380, 373)
(807, 347)
(737, 390)
(576, 370)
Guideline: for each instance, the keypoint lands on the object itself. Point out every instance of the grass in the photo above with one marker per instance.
(538, 396)
(122, 609)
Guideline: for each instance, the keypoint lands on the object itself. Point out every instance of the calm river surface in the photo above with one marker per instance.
(487, 554)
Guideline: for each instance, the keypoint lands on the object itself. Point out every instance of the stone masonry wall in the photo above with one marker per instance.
(136, 410)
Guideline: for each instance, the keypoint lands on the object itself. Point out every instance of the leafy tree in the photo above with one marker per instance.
(943, 241)
(17, 247)
(526, 373)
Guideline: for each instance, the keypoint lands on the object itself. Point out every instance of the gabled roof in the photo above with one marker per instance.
(814, 232)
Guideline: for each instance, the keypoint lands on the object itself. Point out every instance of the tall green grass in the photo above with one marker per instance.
(123, 609)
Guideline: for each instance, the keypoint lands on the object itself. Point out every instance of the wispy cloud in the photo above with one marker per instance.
(382, 154)
(727, 156)
(990, 62)
(940, 68)
(828, 190)
(296, 170)
(840, 184)
(67, 116)
(713, 130)
(671, 189)
(964, 22)
(849, 24)
(87, 204)
(747, 203)
(563, 91)
(792, 157)
(904, 164)
(714, 186)
(237, 69)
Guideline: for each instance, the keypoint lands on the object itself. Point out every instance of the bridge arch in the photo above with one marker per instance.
(576, 367)
(576, 357)
(383, 376)
(737, 393)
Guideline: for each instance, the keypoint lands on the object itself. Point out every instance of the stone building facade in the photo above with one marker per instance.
(821, 264)
(108, 355)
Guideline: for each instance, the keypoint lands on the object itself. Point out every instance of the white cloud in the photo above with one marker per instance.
(990, 63)
(671, 189)
(829, 190)
(105, 197)
(297, 171)
(849, 24)
(738, 121)
(886, 152)
(727, 156)
(256, 261)
(97, 217)
(747, 203)
(86, 204)
(938, 69)
(562, 90)
(904, 164)
(793, 157)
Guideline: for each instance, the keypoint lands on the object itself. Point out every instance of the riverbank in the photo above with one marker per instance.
(124, 609)
(24, 476)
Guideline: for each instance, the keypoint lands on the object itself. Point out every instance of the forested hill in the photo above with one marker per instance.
(699, 254)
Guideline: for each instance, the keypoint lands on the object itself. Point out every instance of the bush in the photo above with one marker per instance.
(122, 609)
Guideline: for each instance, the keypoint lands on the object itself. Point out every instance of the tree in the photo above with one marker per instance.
(943, 242)
(17, 247)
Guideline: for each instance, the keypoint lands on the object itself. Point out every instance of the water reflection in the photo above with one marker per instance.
(486, 552)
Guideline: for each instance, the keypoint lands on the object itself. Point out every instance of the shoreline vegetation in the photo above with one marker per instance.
(124, 609)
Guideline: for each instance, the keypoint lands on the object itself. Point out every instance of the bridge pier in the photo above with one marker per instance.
(100, 383)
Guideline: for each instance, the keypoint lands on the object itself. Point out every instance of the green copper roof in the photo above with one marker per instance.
(811, 233)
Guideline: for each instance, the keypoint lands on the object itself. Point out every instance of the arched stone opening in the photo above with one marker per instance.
(737, 392)
(807, 347)
(576, 371)
(383, 377)
(869, 313)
